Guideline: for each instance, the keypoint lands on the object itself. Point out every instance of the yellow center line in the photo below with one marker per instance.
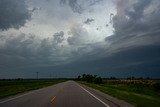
(53, 98)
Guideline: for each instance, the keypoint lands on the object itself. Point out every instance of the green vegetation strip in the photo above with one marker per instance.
(137, 95)
(12, 87)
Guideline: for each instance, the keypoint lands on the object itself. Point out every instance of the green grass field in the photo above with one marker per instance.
(136, 94)
(12, 87)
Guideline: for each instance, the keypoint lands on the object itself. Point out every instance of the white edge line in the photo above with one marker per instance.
(94, 96)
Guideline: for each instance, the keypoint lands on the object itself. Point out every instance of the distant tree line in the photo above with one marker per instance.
(130, 78)
(90, 78)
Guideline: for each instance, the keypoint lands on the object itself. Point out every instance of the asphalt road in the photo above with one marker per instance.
(66, 94)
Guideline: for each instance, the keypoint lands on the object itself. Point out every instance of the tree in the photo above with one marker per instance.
(98, 80)
(79, 77)
(91, 78)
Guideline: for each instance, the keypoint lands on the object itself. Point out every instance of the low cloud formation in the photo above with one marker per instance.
(25, 50)
(13, 14)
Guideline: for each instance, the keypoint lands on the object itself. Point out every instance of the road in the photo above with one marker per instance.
(66, 94)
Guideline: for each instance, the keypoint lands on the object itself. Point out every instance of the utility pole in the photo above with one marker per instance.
(37, 75)
(50, 75)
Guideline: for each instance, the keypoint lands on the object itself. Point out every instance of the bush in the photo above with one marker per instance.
(157, 86)
(98, 80)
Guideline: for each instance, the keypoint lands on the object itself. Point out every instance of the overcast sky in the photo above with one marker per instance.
(66, 38)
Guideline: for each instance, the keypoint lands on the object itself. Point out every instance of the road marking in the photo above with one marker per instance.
(94, 96)
(53, 98)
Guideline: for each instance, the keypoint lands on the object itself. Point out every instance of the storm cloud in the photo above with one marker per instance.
(61, 38)
(13, 14)
(134, 24)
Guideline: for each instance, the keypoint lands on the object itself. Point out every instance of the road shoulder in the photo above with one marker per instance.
(107, 98)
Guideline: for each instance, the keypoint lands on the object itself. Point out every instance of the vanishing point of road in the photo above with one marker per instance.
(66, 94)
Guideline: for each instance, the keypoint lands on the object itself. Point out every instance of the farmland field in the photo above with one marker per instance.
(12, 87)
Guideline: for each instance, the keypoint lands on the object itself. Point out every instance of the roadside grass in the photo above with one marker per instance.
(12, 87)
(138, 95)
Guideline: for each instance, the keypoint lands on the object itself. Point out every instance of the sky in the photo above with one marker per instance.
(67, 38)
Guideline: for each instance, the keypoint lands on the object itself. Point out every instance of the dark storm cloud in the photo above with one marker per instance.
(138, 9)
(135, 22)
(131, 18)
(25, 50)
(143, 61)
(30, 49)
(18, 46)
(88, 21)
(136, 61)
(75, 6)
(13, 14)
(132, 50)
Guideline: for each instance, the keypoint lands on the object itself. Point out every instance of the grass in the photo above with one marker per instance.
(138, 95)
(12, 87)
